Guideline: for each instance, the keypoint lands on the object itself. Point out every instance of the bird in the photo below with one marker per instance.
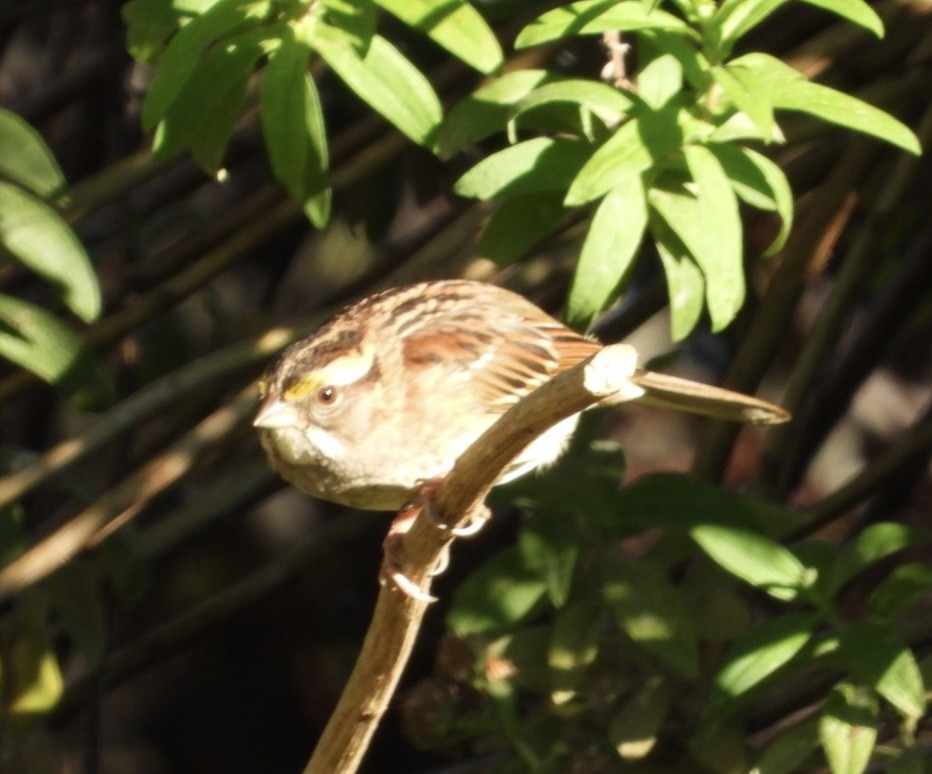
(387, 395)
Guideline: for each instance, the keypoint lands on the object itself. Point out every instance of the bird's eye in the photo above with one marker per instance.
(327, 396)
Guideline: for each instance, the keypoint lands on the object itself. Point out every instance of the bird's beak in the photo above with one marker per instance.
(276, 414)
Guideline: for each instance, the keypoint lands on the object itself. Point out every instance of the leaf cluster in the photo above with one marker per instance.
(628, 651)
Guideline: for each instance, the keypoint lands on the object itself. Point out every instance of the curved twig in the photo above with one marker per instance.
(397, 616)
(126, 498)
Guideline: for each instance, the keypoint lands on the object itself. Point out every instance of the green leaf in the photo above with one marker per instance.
(762, 651)
(759, 182)
(877, 657)
(693, 63)
(789, 90)
(26, 159)
(911, 760)
(501, 593)
(856, 11)
(591, 17)
(384, 79)
(208, 143)
(204, 112)
(906, 586)
(754, 558)
(293, 126)
(37, 341)
(651, 612)
(608, 252)
(358, 19)
(635, 730)
(848, 728)
(182, 56)
(869, 546)
(609, 104)
(633, 149)
(454, 25)
(532, 166)
(660, 73)
(549, 548)
(487, 110)
(687, 216)
(790, 750)
(718, 250)
(151, 22)
(37, 236)
(735, 18)
(685, 283)
(33, 681)
(574, 645)
(519, 223)
(745, 97)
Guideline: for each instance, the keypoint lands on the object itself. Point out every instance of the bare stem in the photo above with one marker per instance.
(397, 616)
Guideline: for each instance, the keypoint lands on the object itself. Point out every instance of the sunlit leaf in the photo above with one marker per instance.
(608, 252)
(502, 592)
(606, 102)
(293, 126)
(487, 110)
(453, 24)
(877, 657)
(848, 728)
(636, 729)
(33, 680)
(385, 79)
(634, 148)
(870, 545)
(759, 182)
(574, 645)
(358, 19)
(685, 281)
(660, 73)
(900, 590)
(856, 11)
(745, 97)
(763, 650)
(37, 341)
(150, 23)
(204, 112)
(651, 612)
(37, 236)
(182, 56)
(540, 164)
(789, 90)
(718, 250)
(26, 159)
(755, 559)
(591, 17)
(735, 18)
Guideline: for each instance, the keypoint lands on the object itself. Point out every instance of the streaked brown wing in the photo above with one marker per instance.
(508, 346)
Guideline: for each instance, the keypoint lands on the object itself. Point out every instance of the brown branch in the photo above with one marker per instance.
(126, 499)
(209, 370)
(397, 616)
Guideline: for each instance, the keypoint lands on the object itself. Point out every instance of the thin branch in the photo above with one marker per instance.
(397, 616)
(126, 499)
(915, 445)
(209, 370)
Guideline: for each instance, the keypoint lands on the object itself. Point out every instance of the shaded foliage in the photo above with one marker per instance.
(170, 606)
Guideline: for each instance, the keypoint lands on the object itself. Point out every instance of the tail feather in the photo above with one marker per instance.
(673, 392)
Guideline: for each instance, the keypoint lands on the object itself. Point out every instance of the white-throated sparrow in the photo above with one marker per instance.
(388, 394)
